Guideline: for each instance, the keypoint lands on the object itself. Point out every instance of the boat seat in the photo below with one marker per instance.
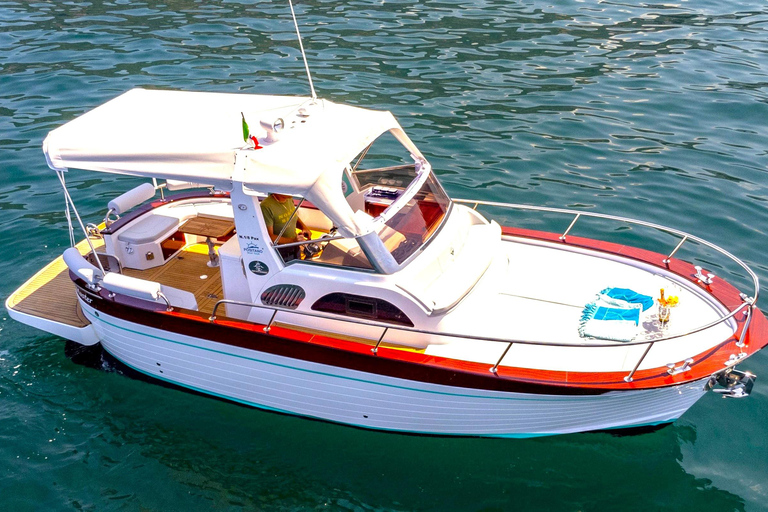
(149, 229)
(179, 298)
(347, 252)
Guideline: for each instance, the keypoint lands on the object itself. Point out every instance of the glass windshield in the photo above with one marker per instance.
(412, 226)
(383, 174)
(305, 234)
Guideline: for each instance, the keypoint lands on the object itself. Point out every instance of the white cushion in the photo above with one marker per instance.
(148, 229)
(133, 197)
(179, 298)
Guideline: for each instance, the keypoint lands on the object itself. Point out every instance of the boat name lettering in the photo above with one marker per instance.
(253, 249)
(85, 297)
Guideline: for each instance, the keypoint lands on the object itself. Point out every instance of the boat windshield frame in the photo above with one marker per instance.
(424, 178)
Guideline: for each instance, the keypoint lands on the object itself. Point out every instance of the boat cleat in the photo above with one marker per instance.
(704, 278)
(733, 383)
(674, 370)
(735, 358)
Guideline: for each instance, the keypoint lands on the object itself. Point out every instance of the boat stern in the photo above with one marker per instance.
(48, 301)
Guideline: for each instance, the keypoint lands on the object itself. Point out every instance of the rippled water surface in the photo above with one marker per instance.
(650, 110)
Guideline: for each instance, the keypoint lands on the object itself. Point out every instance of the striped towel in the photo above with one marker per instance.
(601, 319)
(622, 296)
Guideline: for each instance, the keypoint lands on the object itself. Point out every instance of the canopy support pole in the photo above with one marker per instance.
(68, 200)
(67, 213)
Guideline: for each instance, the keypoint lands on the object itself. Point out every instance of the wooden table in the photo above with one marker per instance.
(209, 227)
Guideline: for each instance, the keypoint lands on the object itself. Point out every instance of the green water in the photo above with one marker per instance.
(656, 111)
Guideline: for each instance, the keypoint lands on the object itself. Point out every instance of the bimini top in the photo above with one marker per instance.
(197, 137)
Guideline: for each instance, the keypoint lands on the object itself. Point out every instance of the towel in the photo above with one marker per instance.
(615, 330)
(600, 319)
(600, 310)
(626, 295)
(604, 313)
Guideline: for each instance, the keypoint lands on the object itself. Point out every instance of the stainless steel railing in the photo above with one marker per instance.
(578, 214)
(494, 368)
(747, 301)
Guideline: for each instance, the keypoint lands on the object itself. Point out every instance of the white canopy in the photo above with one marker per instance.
(190, 136)
(310, 153)
(195, 136)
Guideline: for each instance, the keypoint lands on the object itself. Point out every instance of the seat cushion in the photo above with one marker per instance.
(179, 298)
(148, 229)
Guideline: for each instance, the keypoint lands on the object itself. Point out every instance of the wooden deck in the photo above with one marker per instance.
(188, 271)
(50, 293)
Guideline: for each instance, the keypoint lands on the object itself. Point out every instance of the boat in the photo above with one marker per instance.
(393, 307)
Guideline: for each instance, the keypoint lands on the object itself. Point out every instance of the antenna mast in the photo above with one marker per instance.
(303, 55)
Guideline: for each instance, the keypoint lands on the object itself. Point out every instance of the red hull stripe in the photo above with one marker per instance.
(440, 370)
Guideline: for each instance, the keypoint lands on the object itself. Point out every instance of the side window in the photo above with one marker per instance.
(318, 242)
(359, 306)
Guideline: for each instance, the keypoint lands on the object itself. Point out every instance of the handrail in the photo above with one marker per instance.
(747, 301)
(374, 323)
(494, 368)
(683, 234)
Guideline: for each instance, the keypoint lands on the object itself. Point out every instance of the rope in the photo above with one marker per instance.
(80, 221)
(67, 213)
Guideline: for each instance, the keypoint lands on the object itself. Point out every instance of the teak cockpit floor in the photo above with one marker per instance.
(188, 271)
(50, 293)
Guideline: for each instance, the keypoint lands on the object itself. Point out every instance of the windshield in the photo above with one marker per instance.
(416, 221)
(410, 227)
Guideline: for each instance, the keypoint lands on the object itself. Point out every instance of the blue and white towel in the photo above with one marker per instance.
(614, 314)
(622, 296)
(600, 310)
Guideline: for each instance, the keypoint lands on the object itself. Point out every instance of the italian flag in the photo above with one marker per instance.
(247, 134)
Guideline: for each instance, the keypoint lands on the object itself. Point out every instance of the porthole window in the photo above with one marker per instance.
(359, 306)
(362, 306)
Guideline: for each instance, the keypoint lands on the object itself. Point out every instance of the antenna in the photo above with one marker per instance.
(303, 55)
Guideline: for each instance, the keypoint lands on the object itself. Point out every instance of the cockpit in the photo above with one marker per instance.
(399, 204)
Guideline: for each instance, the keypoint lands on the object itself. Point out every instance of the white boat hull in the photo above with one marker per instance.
(362, 399)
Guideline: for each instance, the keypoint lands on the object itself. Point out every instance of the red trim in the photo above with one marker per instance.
(416, 366)
(705, 363)
(324, 350)
(441, 370)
